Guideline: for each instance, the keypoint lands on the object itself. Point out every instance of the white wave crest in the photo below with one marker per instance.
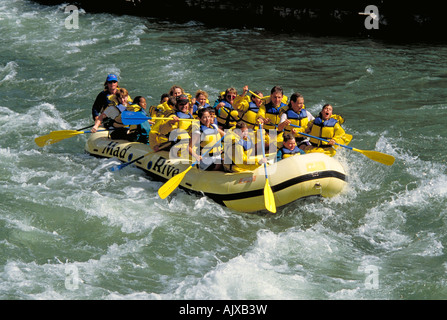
(8, 72)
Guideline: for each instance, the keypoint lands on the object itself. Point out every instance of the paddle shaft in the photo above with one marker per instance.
(90, 131)
(269, 198)
(123, 165)
(170, 185)
(254, 94)
(373, 155)
(322, 139)
(263, 149)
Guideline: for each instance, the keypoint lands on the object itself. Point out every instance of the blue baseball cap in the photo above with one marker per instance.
(112, 77)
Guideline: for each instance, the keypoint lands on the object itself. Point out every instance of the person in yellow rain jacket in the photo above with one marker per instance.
(159, 134)
(176, 130)
(248, 107)
(205, 138)
(326, 127)
(226, 115)
(165, 105)
(239, 146)
(157, 111)
(269, 115)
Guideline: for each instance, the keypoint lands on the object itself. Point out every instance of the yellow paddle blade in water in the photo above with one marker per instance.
(56, 136)
(172, 184)
(269, 198)
(373, 155)
(377, 156)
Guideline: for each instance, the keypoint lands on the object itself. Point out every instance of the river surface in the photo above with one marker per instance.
(72, 229)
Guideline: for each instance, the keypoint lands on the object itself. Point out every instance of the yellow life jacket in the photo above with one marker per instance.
(272, 138)
(284, 153)
(209, 136)
(268, 99)
(178, 134)
(239, 153)
(154, 111)
(329, 129)
(322, 129)
(274, 114)
(163, 110)
(114, 101)
(160, 133)
(298, 119)
(183, 127)
(249, 116)
(156, 138)
(227, 116)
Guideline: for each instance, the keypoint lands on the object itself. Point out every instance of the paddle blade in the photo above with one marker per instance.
(377, 156)
(43, 140)
(269, 199)
(130, 117)
(172, 184)
(55, 136)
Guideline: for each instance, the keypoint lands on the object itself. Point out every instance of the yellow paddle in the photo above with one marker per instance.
(251, 92)
(170, 185)
(373, 155)
(269, 198)
(376, 156)
(56, 136)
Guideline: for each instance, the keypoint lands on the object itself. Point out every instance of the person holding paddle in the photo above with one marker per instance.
(248, 107)
(177, 127)
(239, 145)
(297, 115)
(112, 112)
(135, 133)
(270, 114)
(205, 135)
(326, 127)
(227, 115)
(158, 140)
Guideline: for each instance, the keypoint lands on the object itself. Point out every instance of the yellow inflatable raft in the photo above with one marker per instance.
(296, 177)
